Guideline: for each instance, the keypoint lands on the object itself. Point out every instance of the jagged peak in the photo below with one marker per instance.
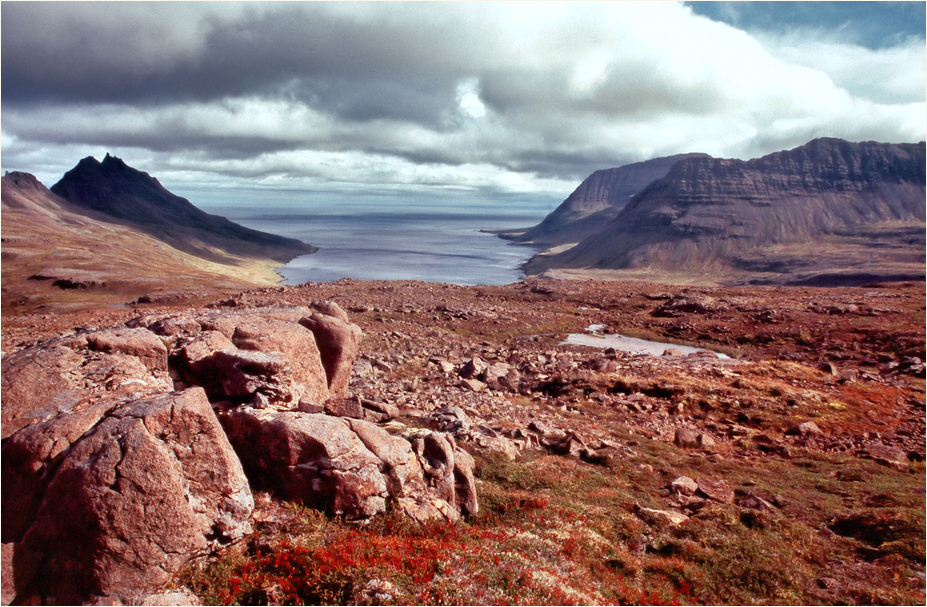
(114, 161)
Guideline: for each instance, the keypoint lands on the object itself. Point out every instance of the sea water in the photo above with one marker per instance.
(388, 240)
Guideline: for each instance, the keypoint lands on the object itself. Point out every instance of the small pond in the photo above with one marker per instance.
(594, 338)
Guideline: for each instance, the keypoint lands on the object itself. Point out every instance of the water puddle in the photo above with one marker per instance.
(594, 338)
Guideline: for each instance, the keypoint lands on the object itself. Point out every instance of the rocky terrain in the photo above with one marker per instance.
(486, 459)
(829, 212)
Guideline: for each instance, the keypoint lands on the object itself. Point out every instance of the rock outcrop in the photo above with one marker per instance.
(125, 195)
(112, 480)
(759, 216)
(130, 450)
(350, 467)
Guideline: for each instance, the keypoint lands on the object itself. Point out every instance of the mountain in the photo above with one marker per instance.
(24, 193)
(133, 198)
(58, 254)
(827, 208)
(596, 201)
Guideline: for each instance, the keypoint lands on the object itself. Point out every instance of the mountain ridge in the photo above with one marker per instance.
(596, 200)
(58, 255)
(135, 198)
(719, 215)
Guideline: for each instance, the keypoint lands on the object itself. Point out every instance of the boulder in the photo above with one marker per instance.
(309, 458)
(401, 469)
(350, 467)
(140, 343)
(685, 303)
(330, 308)
(318, 344)
(448, 470)
(338, 341)
(306, 376)
(28, 461)
(494, 374)
(886, 456)
(149, 486)
(687, 438)
(684, 485)
(38, 382)
(170, 326)
(194, 358)
(473, 368)
(344, 407)
(806, 429)
(226, 320)
(659, 517)
(63, 374)
(473, 385)
(715, 489)
(263, 361)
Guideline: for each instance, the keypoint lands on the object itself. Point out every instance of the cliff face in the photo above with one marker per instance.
(597, 200)
(730, 213)
(136, 199)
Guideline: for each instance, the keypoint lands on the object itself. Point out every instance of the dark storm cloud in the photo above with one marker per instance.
(392, 70)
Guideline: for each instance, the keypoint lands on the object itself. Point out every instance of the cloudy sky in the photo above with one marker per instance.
(451, 99)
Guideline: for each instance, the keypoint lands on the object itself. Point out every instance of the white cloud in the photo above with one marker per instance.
(468, 98)
(888, 75)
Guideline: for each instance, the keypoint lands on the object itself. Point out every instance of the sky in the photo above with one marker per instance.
(447, 100)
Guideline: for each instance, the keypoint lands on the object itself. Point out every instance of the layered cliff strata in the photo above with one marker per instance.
(829, 205)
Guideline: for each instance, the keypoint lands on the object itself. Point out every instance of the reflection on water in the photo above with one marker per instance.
(627, 344)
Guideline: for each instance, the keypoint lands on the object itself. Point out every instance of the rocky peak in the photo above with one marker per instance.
(134, 198)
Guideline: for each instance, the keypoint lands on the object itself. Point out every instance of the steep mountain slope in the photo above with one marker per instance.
(58, 255)
(827, 207)
(136, 199)
(597, 200)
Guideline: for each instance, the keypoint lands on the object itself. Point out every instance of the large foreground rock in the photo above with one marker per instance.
(63, 374)
(275, 356)
(350, 467)
(117, 470)
(152, 483)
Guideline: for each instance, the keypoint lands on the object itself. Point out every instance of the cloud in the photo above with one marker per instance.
(894, 75)
(455, 96)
